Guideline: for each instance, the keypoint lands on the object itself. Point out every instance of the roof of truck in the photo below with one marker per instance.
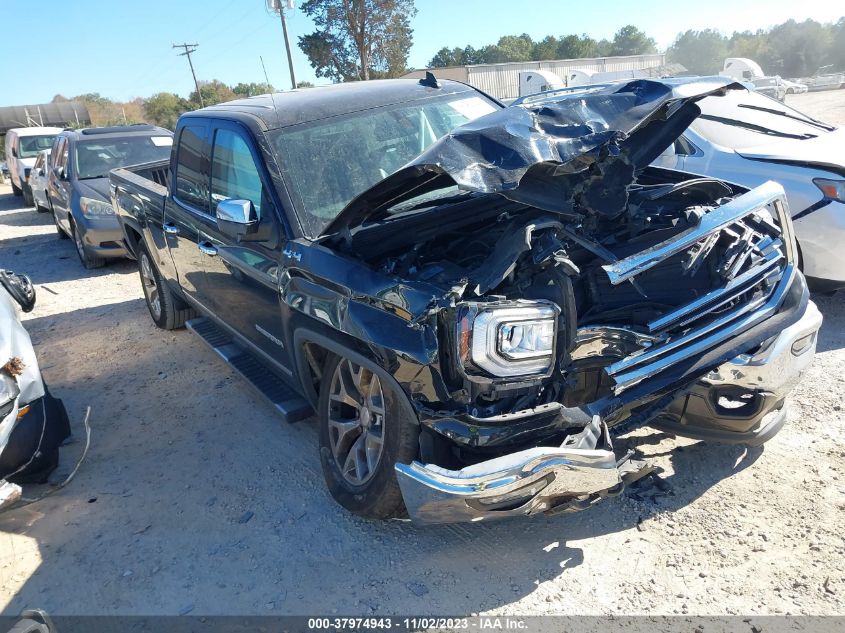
(310, 104)
(117, 131)
(35, 131)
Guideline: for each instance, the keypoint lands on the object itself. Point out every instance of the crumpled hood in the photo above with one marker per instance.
(824, 150)
(579, 132)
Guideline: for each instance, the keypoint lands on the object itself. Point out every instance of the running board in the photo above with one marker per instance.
(257, 372)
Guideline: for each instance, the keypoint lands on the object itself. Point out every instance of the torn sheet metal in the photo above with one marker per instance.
(563, 135)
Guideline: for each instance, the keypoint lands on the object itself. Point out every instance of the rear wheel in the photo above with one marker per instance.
(88, 260)
(166, 309)
(364, 433)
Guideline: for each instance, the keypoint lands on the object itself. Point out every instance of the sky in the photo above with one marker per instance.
(123, 49)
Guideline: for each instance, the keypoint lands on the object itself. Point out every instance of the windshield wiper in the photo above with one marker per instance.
(755, 128)
(809, 120)
(92, 177)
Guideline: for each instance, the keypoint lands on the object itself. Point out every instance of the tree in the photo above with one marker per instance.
(163, 108)
(358, 39)
(252, 89)
(700, 52)
(836, 55)
(213, 92)
(576, 47)
(545, 48)
(304, 84)
(447, 57)
(753, 46)
(515, 48)
(798, 48)
(629, 40)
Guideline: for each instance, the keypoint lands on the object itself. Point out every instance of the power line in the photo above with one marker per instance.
(190, 48)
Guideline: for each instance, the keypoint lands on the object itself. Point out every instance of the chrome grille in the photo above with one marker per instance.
(755, 270)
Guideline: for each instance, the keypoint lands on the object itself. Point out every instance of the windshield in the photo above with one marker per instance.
(744, 119)
(330, 162)
(29, 146)
(97, 157)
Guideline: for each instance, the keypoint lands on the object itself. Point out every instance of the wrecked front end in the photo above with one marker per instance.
(582, 294)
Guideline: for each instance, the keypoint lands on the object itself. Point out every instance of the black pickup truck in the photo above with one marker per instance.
(472, 300)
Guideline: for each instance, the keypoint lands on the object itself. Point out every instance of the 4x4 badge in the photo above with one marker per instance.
(292, 254)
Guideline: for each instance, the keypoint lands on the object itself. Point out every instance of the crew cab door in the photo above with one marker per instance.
(188, 206)
(242, 276)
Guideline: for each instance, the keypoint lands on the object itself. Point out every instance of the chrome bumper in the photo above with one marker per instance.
(524, 483)
(584, 468)
(743, 401)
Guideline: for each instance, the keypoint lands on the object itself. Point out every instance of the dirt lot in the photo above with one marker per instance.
(196, 499)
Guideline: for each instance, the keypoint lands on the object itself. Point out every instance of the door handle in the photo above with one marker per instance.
(208, 248)
(171, 229)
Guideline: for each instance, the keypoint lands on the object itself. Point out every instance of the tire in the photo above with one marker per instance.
(16, 190)
(59, 231)
(27, 196)
(88, 261)
(39, 208)
(167, 310)
(369, 488)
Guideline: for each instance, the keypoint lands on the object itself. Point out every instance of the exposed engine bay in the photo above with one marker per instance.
(576, 289)
(483, 250)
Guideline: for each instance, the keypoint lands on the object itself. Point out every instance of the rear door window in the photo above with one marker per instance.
(192, 168)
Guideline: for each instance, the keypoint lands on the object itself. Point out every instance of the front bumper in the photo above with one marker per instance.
(585, 468)
(524, 483)
(102, 237)
(743, 401)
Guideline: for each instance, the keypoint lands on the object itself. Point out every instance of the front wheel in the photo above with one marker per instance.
(27, 196)
(16, 190)
(39, 208)
(166, 309)
(364, 433)
(88, 260)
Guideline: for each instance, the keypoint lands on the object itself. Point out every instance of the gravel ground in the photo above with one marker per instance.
(194, 498)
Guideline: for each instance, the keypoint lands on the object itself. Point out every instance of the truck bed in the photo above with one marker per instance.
(138, 194)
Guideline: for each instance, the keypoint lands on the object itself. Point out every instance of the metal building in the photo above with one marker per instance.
(46, 114)
(502, 80)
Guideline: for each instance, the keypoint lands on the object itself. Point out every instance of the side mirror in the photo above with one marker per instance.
(236, 218)
(41, 172)
(59, 172)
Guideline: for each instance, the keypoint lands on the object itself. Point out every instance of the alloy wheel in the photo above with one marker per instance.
(148, 282)
(356, 421)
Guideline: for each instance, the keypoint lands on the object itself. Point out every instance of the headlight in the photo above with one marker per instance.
(833, 189)
(509, 341)
(95, 208)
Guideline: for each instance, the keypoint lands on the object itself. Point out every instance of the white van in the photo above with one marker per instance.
(22, 147)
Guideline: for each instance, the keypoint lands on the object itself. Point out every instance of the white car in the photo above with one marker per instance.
(794, 87)
(33, 423)
(22, 146)
(38, 178)
(748, 139)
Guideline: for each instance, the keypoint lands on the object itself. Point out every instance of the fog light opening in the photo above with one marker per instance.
(803, 344)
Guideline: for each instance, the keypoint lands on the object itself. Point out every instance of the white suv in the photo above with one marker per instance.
(22, 147)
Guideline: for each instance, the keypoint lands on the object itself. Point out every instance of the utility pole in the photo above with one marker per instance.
(279, 7)
(190, 48)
